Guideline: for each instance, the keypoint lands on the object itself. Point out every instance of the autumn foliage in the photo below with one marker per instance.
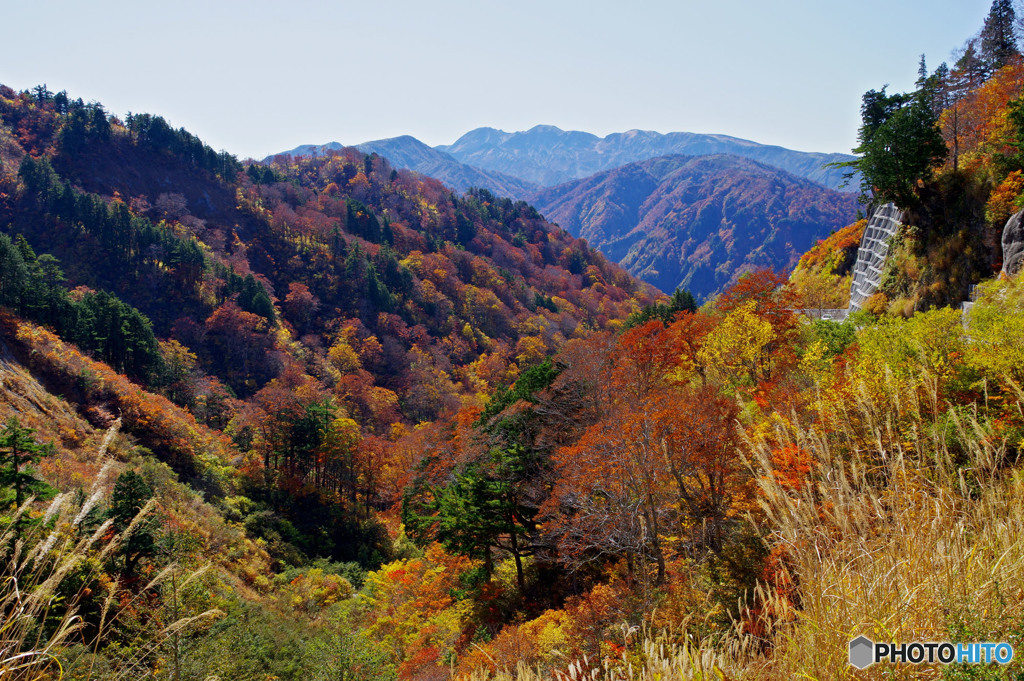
(422, 435)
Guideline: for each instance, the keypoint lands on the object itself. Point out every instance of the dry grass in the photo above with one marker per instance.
(659, 660)
(49, 569)
(894, 541)
(897, 534)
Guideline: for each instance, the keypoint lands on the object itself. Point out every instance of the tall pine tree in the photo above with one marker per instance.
(998, 42)
(900, 143)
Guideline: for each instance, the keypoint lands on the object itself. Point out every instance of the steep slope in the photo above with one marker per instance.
(697, 222)
(408, 152)
(823, 275)
(25, 397)
(548, 155)
(237, 266)
(309, 316)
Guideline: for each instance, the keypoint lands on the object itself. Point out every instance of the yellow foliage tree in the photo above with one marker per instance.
(996, 325)
(738, 348)
(343, 357)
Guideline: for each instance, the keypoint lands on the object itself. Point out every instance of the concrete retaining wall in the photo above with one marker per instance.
(874, 248)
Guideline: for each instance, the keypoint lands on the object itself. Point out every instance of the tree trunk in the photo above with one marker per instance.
(651, 519)
(519, 565)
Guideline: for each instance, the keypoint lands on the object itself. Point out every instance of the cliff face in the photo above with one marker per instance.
(947, 245)
(1013, 244)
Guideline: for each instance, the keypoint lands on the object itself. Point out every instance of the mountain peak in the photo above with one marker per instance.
(475, 137)
(548, 155)
(307, 150)
(635, 132)
(401, 140)
(544, 129)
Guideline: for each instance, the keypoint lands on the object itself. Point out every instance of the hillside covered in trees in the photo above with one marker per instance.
(677, 210)
(697, 223)
(270, 332)
(321, 419)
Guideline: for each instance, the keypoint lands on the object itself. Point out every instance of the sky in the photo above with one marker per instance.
(255, 77)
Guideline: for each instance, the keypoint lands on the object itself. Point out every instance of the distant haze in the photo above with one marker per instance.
(548, 155)
(677, 210)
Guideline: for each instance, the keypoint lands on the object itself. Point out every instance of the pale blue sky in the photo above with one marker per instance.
(257, 77)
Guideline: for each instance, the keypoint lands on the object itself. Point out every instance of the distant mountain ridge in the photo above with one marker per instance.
(697, 222)
(518, 164)
(549, 156)
(694, 217)
(408, 152)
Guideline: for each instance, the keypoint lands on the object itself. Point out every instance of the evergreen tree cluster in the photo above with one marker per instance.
(261, 174)
(490, 503)
(18, 451)
(479, 207)
(532, 381)
(155, 133)
(129, 497)
(252, 296)
(545, 302)
(84, 124)
(481, 509)
(997, 37)
(361, 221)
(366, 291)
(899, 141)
(992, 48)
(682, 301)
(97, 322)
(128, 241)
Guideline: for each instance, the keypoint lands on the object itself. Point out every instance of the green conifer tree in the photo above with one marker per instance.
(18, 451)
(998, 42)
(131, 494)
(900, 143)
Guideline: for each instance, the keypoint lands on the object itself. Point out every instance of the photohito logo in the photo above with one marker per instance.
(864, 652)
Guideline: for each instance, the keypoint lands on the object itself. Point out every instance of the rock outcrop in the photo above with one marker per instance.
(1013, 244)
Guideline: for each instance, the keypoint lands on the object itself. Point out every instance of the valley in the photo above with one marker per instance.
(697, 228)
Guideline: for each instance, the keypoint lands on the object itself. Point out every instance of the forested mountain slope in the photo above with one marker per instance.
(408, 152)
(697, 223)
(275, 336)
(648, 224)
(352, 288)
(321, 418)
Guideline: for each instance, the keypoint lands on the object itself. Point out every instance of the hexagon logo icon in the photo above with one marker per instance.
(861, 652)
